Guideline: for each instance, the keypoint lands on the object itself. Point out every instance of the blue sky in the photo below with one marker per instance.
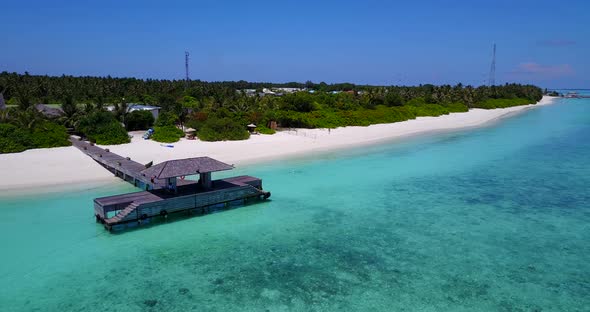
(374, 42)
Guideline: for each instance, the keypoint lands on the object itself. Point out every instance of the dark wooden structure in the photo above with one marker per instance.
(165, 188)
(2, 103)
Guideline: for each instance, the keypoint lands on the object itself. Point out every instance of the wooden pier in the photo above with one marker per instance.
(122, 167)
(165, 191)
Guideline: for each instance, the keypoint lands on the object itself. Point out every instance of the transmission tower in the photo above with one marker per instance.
(492, 79)
(186, 55)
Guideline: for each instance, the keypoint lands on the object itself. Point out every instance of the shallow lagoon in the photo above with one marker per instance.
(492, 219)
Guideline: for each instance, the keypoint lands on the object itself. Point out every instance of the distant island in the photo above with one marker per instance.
(42, 111)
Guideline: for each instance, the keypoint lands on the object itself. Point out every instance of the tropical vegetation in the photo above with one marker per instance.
(221, 110)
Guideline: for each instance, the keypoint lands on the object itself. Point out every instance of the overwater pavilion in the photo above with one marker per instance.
(165, 189)
(180, 168)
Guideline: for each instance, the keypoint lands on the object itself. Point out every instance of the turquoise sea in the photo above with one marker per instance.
(488, 219)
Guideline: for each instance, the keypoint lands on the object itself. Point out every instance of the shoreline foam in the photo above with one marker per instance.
(61, 168)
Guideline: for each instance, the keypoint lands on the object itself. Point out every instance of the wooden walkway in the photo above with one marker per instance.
(123, 167)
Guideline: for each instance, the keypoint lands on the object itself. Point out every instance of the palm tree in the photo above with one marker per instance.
(26, 119)
(71, 113)
(239, 105)
(121, 110)
(24, 101)
(4, 118)
(2, 103)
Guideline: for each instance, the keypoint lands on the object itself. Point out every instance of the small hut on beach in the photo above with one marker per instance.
(190, 133)
(251, 128)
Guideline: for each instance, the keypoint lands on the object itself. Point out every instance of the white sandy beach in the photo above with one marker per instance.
(69, 167)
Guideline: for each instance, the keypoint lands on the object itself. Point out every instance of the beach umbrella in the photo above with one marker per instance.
(251, 126)
(189, 130)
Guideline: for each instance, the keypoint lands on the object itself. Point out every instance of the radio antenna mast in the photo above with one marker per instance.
(492, 79)
(187, 79)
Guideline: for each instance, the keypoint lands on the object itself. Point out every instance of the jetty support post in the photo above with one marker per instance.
(205, 179)
(171, 184)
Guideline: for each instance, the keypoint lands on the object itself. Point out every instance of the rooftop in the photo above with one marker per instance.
(49, 111)
(142, 107)
(133, 107)
(185, 167)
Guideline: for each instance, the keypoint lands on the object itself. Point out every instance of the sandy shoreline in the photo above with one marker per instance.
(67, 167)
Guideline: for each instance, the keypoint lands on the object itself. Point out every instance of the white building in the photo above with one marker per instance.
(267, 91)
(288, 90)
(155, 110)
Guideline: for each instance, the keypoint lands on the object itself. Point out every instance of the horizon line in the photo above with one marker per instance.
(269, 82)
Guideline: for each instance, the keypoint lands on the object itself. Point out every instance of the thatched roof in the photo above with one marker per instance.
(184, 167)
(48, 111)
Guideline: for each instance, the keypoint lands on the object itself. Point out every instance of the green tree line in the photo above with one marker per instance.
(220, 111)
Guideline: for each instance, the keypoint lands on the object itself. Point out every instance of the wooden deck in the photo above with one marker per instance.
(144, 205)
